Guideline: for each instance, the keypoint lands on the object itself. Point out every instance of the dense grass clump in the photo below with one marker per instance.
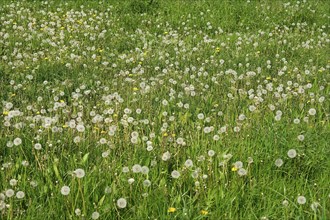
(149, 109)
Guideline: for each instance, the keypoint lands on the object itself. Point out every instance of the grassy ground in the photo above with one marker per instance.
(184, 109)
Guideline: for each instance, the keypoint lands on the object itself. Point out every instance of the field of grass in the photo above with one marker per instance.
(164, 109)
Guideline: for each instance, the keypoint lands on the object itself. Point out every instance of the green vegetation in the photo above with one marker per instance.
(150, 109)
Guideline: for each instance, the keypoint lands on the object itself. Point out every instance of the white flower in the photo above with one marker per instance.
(188, 163)
(121, 203)
(312, 111)
(80, 173)
(80, 128)
(278, 162)
(13, 182)
(211, 153)
(37, 146)
(301, 200)
(17, 141)
(20, 195)
(131, 181)
(147, 183)
(9, 193)
(301, 137)
(292, 153)
(175, 174)
(95, 215)
(242, 172)
(65, 190)
(145, 170)
(137, 168)
(166, 156)
(125, 169)
(78, 212)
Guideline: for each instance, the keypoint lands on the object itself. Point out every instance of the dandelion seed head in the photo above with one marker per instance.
(65, 190)
(121, 203)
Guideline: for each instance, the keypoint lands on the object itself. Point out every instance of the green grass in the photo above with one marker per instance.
(151, 68)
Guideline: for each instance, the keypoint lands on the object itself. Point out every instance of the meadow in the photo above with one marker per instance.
(173, 109)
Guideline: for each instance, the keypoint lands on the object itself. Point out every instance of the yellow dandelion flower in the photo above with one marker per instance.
(165, 134)
(171, 209)
(5, 113)
(135, 89)
(234, 169)
(204, 212)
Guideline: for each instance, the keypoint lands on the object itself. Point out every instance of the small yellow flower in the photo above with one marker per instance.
(103, 132)
(165, 134)
(135, 89)
(173, 135)
(234, 169)
(171, 209)
(61, 101)
(5, 113)
(217, 49)
(204, 212)
(268, 78)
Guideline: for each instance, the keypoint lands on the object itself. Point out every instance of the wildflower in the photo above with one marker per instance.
(314, 206)
(37, 146)
(77, 212)
(301, 137)
(292, 153)
(278, 162)
(147, 183)
(17, 141)
(188, 163)
(175, 174)
(95, 215)
(144, 170)
(125, 170)
(131, 181)
(285, 203)
(80, 128)
(80, 173)
(121, 203)
(13, 182)
(166, 156)
(9, 193)
(137, 168)
(171, 209)
(65, 190)
(204, 212)
(20, 195)
(301, 200)
(211, 153)
(234, 169)
(242, 172)
(312, 111)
